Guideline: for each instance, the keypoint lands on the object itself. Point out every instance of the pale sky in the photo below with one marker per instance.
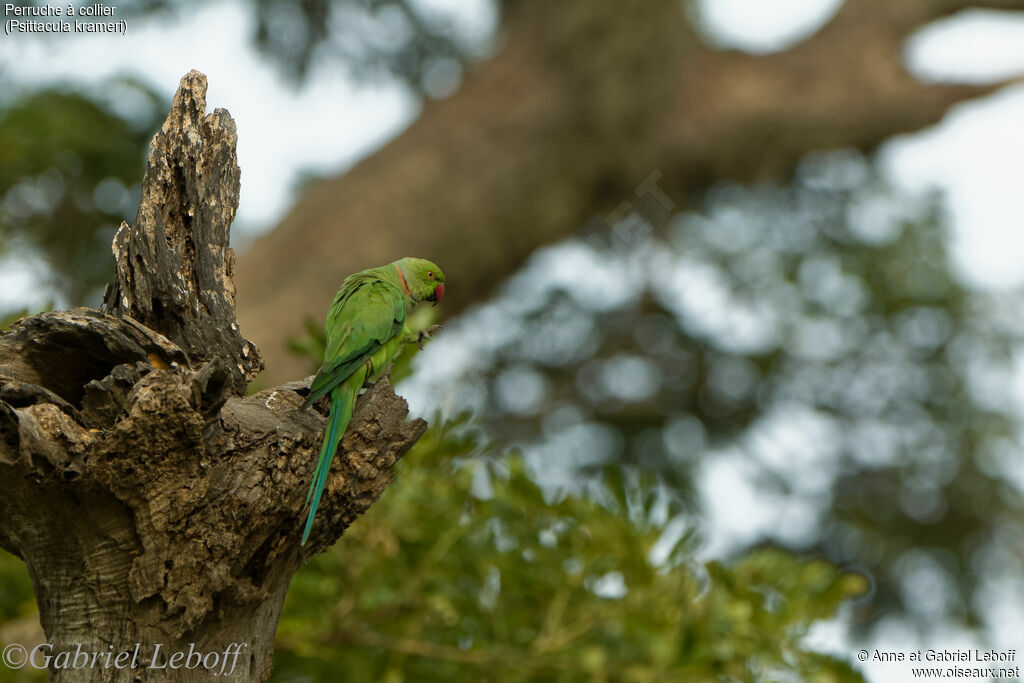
(975, 155)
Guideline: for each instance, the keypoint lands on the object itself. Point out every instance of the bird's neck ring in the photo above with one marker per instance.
(405, 285)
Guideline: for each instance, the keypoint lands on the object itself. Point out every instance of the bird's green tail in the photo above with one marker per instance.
(342, 401)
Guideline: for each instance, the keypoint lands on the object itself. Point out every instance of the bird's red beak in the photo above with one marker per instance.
(438, 293)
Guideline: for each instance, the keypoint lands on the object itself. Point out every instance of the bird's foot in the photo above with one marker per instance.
(426, 334)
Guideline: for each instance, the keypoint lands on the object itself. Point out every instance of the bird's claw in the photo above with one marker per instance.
(426, 334)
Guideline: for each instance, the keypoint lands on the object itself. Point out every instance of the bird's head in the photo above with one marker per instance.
(423, 278)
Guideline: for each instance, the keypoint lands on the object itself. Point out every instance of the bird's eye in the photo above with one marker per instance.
(430, 274)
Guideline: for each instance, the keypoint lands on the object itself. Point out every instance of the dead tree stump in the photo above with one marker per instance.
(151, 499)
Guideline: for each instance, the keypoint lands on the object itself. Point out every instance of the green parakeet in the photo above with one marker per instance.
(365, 330)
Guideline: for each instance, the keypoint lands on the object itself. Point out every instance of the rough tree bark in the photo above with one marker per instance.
(152, 501)
(584, 100)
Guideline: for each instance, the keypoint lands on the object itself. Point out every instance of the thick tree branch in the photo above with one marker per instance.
(751, 118)
(584, 101)
(152, 501)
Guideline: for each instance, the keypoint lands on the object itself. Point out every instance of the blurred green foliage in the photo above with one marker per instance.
(400, 38)
(9, 318)
(70, 167)
(810, 345)
(19, 618)
(71, 159)
(16, 599)
(464, 572)
(816, 332)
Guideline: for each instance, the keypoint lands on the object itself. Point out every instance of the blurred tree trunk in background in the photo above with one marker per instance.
(583, 101)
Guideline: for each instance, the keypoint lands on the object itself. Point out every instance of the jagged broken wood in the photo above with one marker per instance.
(152, 501)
